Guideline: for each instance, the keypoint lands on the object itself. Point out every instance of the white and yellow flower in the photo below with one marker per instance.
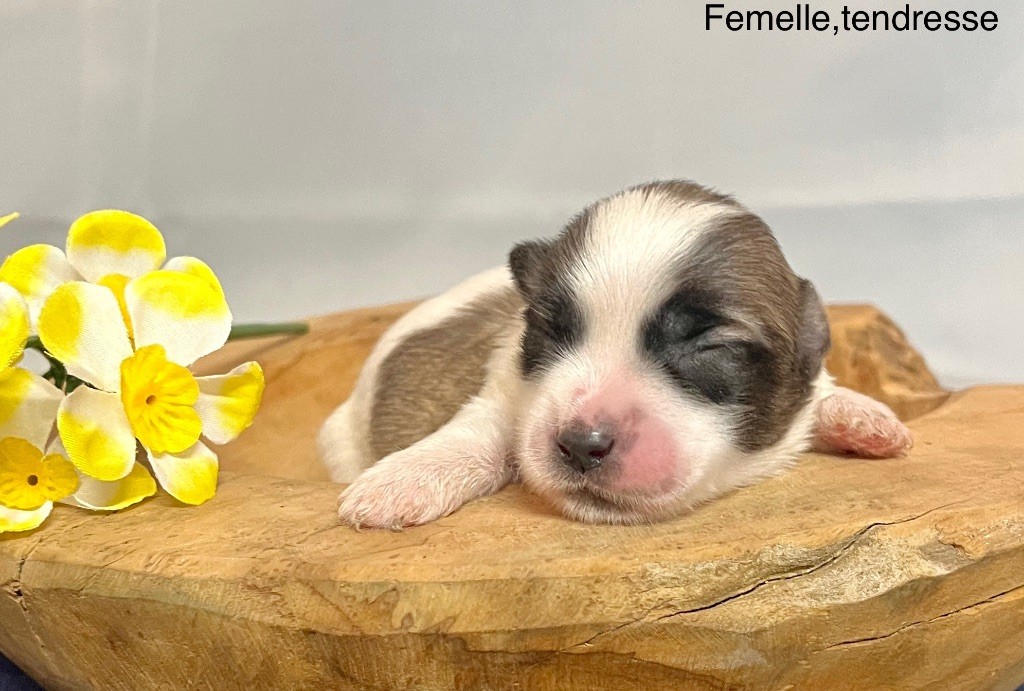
(28, 403)
(134, 346)
(108, 247)
(29, 482)
(130, 329)
(34, 469)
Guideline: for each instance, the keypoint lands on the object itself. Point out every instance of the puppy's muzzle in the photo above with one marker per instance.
(584, 448)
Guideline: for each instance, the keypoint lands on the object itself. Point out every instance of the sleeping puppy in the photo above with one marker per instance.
(658, 353)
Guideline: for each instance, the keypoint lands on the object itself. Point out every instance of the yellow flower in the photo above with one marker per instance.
(28, 479)
(159, 398)
(15, 326)
(28, 405)
(31, 480)
(106, 247)
(130, 331)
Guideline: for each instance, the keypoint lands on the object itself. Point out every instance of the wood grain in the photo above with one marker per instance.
(871, 354)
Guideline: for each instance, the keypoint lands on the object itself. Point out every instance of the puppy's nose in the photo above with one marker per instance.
(584, 448)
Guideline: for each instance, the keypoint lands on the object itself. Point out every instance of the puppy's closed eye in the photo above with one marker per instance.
(678, 322)
(677, 325)
(720, 371)
(702, 354)
(556, 327)
(553, 325)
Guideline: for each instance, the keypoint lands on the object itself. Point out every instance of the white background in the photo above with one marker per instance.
(324, 155)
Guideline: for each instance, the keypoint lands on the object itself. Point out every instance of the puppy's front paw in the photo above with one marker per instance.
(850, 422)
(394, 495)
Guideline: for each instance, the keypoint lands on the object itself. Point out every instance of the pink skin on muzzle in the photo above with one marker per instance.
(645, 457)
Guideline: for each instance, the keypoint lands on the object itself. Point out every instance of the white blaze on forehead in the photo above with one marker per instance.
(633, 245)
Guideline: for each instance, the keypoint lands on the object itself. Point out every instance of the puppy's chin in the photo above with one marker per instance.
(587, 503)
(590, 506)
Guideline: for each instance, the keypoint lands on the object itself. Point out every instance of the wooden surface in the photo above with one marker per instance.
(903, 573)
(871, 354)
(308, 377)
(843, 573)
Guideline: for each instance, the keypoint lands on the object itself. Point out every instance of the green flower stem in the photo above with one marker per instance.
(258, 330)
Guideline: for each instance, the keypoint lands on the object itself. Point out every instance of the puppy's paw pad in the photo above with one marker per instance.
(852, 423)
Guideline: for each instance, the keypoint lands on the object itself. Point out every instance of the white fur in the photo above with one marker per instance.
(633, 243)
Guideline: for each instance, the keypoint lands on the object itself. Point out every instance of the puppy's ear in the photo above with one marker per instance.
(813, 337)
(523, 262)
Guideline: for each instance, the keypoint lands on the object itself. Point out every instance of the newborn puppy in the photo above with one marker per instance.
(658, 353)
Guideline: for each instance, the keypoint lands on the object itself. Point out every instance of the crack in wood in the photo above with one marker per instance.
(790, 575)
(17, 593)
(925, 622)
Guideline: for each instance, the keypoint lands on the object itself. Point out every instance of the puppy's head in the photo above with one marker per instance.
(670, 354)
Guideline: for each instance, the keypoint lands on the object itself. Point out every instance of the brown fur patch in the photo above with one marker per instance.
(433, 372)
(739, 271)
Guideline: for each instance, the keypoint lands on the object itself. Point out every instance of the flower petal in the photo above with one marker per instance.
(14, 521)
(184, 313)
(95, 431)
(8, 218)
(28, 479)
(98, 495)
(28, 406)
(228, 403)
(190, 476)
(159, 398)
(116, 283)
(61, 477)
(36, 271)
(114, 242)
(21, 472)
(81, 325)
(14, 325)
(196, 267)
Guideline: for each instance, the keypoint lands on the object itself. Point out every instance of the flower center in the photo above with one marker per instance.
(159, 397)
(28, 479)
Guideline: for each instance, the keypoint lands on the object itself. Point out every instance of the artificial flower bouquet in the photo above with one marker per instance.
(117, 412)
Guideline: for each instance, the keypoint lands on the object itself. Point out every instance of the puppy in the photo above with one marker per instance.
(658, 353)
